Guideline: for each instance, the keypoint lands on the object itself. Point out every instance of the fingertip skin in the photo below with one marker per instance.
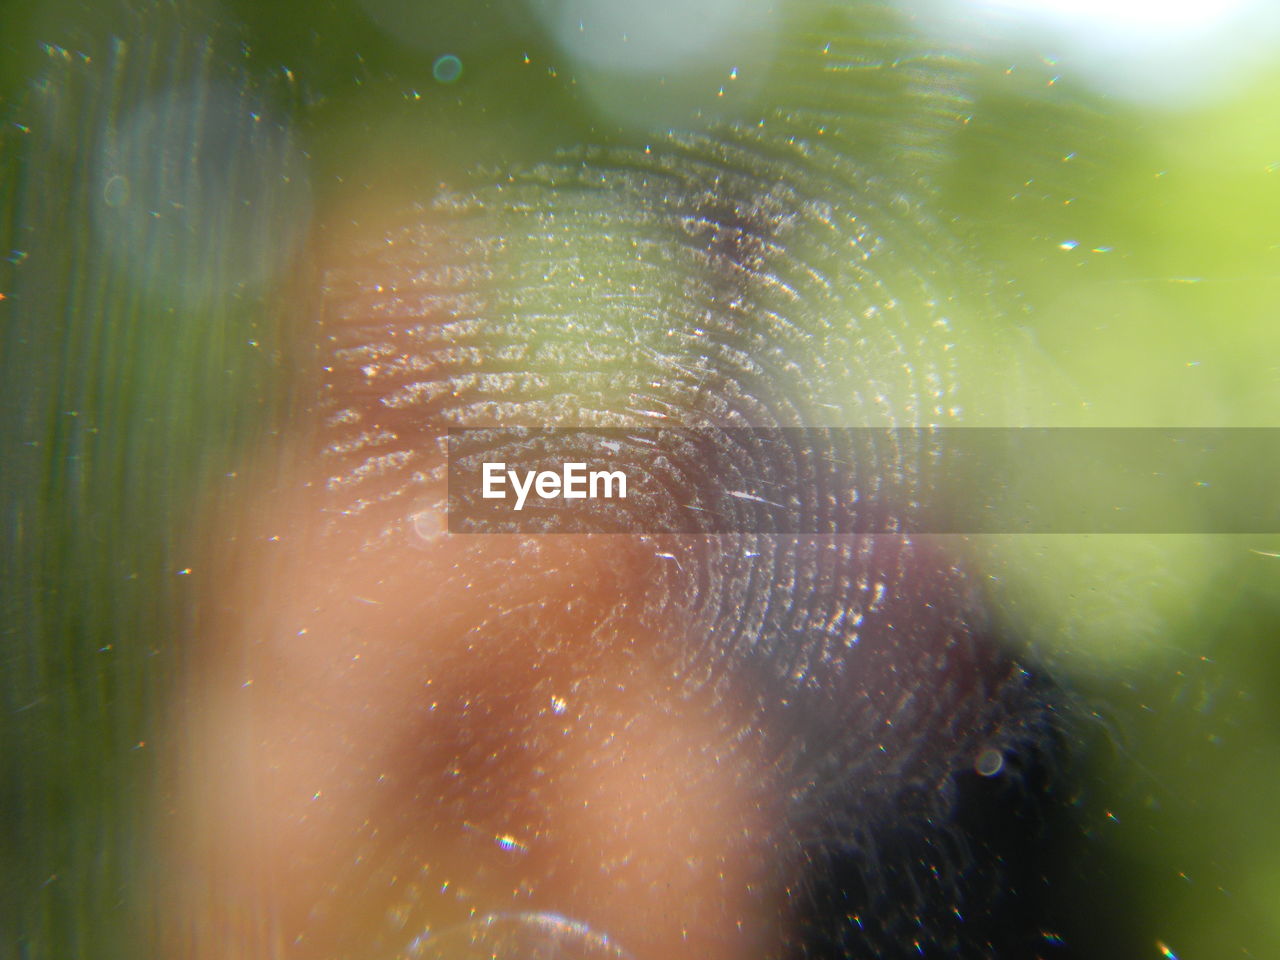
(730, 746)
(741, 746)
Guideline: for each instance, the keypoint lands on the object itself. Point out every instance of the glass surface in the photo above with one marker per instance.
(259, 258)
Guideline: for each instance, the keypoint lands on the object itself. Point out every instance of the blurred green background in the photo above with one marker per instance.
(1132, 245)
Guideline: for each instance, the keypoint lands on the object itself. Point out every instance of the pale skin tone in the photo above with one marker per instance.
(481, 715)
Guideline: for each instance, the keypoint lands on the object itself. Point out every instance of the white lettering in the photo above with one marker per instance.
(548, 485)
(608, 478)
(522, 491)
(493, 480)
(575, 473)
(574, 482)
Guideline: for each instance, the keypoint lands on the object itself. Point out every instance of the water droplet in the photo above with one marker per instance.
(989, 762)
(428, 525)
(518, 935)
(447, 69)
(116, 191)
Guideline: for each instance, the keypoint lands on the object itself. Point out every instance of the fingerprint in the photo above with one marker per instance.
(840, 755)
(763, 275)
